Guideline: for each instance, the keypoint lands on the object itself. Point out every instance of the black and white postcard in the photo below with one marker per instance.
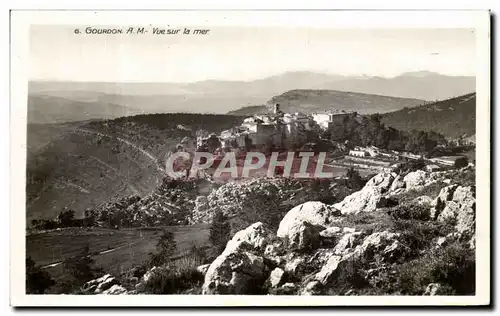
(250, 158)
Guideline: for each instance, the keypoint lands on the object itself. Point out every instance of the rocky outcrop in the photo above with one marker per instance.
(314, 213)
(203, 268)
(240, 268)
(100, 285)
(416, 179)
(115, 290)
(378, 191)
(456, 205)
(236, 272)
(433, 289)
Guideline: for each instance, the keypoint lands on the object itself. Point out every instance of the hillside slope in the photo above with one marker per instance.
(453, 117)
(309, 101)
(51, 109)
(82, 165)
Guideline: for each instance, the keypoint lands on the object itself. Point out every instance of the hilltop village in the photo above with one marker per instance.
(276, 130)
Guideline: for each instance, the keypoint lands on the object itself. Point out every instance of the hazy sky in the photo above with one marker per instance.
(229, 53)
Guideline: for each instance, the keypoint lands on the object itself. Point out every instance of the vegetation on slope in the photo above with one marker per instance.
(453, 118)
(83, 165)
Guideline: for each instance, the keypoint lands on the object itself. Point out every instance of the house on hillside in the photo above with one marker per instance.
(432, 168)
(358, 153)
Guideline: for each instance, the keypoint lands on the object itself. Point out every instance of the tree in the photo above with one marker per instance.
(165, 248)
(354, 180)
(37, 280)
(220, 232)
(66, 218)
(81, 267)
(461, 162)
(90, 218)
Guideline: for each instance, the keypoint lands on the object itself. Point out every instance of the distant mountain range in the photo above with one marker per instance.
(107, 100)
(455, 117)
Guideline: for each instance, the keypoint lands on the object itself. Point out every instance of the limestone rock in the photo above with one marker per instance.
(432, 289)
(416, 179)
(439, 203)
(459, 208)
(381, 181)
(257, 236)
(315, 213)
(384, 243)
(276, 278)
(312, 288)
(203, 268)
(365, 200)
(397, 185)
(115, 290)
(330, 232)
(235, 273)
(100, 285)
(304, 236)
(328, 270)
(347, 242)
(423, 200)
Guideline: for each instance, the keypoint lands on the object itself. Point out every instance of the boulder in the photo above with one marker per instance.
(330, 232)
(347, 242)
(100, 285)
(433, 289)
(295, 265)
(441, 242)
(348, 230)
(287, 289)
(275, 248)
(203, 268)
(438, 204)
(257, 236)
(384, 243)
(416, 180)
(235, 273)
(115, 290)
(459, 208)
(304, 236)
(397, 185)
(276, 278)
(365, 200)
(327, 272)
(315, 213)
(381, 181)
(423, 200)
(240, 269)
(312, 288)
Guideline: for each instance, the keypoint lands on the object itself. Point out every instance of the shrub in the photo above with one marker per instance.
(410, 211)
(420, 235)
(410, 166)
(354, 180)
(452, 267)
(461, 162)
(81, 268)
(37, 280)
(175, 277)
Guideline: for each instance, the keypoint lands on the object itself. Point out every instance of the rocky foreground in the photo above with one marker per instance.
(387, 238)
